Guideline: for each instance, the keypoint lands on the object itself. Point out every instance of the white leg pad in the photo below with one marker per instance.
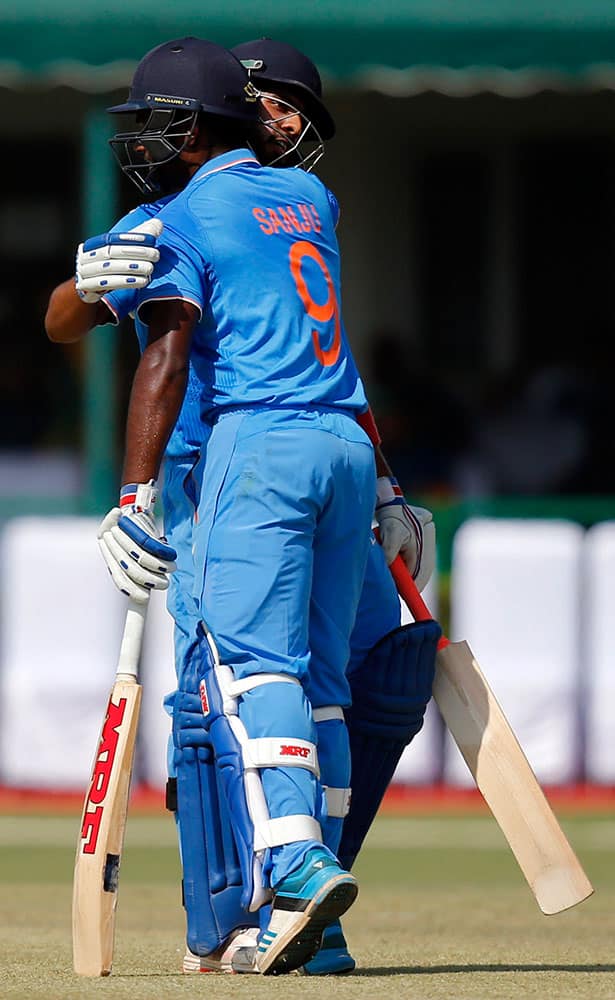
(265, 752)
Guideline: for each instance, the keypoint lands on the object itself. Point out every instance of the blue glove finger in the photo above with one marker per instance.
(156, 547)
(118, 239)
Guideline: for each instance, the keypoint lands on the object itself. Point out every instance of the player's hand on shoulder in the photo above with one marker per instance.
(405, 530)
(136, 554)
(115, 261)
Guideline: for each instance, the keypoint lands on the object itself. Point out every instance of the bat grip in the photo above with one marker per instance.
(409, 592)
(130, 650)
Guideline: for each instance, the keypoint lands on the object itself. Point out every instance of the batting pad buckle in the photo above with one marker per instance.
(327, 712)
(338, 801)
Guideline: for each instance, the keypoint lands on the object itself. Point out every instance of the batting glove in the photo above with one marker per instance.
(405, 530)
(117, 260)
(137, 556)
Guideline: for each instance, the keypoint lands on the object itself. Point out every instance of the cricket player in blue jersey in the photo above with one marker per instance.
(288, 68)
(247, 291)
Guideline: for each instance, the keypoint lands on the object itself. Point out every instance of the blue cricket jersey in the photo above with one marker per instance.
(254, 249)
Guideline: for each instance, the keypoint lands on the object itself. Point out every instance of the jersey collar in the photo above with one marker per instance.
(235, 157)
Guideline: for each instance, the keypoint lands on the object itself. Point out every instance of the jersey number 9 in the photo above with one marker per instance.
(324, 313)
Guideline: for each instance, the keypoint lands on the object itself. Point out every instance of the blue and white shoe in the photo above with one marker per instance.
(304, 903)
(333, 957)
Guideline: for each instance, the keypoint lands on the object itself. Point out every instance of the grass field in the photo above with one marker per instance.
(443, 911)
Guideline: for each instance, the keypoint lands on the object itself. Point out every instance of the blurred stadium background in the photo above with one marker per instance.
(475, 167)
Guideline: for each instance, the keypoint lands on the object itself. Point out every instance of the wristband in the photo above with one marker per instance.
(140, 497)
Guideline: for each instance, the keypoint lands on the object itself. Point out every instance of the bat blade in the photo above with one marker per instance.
(500, 768)
(101, 838)
(506, 781)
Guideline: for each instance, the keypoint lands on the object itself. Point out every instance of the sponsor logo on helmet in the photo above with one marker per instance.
(176, 102)
(252, 64)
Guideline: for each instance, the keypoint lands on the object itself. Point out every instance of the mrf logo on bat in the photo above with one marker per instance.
(101, 775)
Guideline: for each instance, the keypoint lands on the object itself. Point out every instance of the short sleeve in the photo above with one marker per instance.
(122, 302)
(181, 271)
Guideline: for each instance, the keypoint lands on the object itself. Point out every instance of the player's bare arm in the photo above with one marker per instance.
(69, 318)
(158, 388)
(137, 557)
(117, 261)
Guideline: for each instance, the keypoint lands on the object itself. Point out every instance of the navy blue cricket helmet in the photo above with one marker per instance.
(191, 73)
(268, 61)
(172, 85)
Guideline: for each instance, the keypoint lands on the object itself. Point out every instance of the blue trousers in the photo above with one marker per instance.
(280, 548)
(378, 611)
(285, 606)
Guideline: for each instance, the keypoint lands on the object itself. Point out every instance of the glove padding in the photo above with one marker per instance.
(117, 260)
(137, 557)
(405, 530)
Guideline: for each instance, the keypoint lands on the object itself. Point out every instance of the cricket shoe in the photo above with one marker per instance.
(235, 954)
(333, 957)
(304, 903)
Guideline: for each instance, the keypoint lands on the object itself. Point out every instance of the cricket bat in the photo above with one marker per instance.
(101, 837)
(500, 768)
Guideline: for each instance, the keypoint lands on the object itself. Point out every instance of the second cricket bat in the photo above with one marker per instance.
(500, 768)
(101, 837)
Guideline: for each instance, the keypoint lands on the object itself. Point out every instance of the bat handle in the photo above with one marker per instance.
(132, 638)
(409, 592)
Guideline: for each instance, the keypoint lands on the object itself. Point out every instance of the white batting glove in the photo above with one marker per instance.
(137, 556)
(406, 531)
(117, 260)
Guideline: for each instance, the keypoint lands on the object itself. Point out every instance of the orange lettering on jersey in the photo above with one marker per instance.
(291, 220)
(288, 219)
(276, 221)
(261, 218)
(294, 219)
(316, 217)
(307, 224)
